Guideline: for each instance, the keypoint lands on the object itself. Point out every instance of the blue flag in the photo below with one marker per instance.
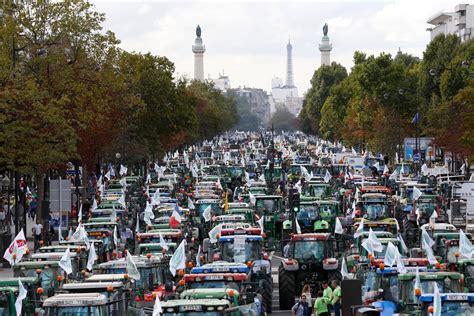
(416, 118)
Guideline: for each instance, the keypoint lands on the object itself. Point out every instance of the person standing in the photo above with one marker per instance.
(336, 297)
(301, 308)
(307, 292)
(37, 232)
(321, 305)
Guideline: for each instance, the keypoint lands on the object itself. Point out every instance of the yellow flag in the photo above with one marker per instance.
(226, 205)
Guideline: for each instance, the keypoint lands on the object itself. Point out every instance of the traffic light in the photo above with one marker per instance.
(294, 200)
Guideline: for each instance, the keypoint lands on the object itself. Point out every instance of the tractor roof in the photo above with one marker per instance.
(311, 236)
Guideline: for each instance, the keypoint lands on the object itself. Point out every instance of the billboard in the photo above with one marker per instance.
(60, 201)
(425, 145)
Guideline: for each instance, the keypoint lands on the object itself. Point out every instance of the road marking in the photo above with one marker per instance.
(278, 257)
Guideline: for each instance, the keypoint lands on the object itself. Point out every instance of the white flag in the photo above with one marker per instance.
(261, 178)
(198, 257)
(163, 243)
(298, 186)
(132, 270)
(155, 200)
(247, 177)
(207, 214)
(214, 232)
(372, 244)
(402, 242)
(360, 229)
(436, 301)
(94, 205)
(298, 228)
(253, 200)
(123, 170)
(157, 310)
(60, 234)
(416, 193)
(417, 280)
(17, 247)
(391, 255)
(123, 183)
(113, 216)
(178, 260)
(116, 241)
(327, 177)
(65, 262)
(394, 175)
(92, 257)
(429, 252)
(426, 238)
(260, 221)
(149, 215)
(79, 215)
(424, 169)
(344, 272)
(148, 178)
(137, 226)
(465, 245)
(433, 217)
(219, 185)
(338, 229)
(385, 170)
(22, 292)
(191, 204)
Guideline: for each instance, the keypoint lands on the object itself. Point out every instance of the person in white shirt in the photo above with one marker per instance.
(37, 231)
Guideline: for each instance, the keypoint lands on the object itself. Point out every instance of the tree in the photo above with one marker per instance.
(323, 79)
(283, 120)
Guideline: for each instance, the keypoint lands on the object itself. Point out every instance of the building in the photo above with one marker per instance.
(198, 50)
(286, 95)
(325, 47)
(259, 103)
(222, 83)
(460, 22)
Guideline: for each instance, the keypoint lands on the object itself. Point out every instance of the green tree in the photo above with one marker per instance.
(323, 79)
(283, 120)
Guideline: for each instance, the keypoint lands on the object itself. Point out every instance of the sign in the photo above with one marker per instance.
(60, 201)
(426, 148)
(417, 157)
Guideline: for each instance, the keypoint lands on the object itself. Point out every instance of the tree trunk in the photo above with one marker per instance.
(40, 185)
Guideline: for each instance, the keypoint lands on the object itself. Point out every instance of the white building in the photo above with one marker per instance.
(222, 83)
(198, 50)
(460, 22)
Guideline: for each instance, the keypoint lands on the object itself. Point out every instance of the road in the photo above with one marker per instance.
(276, 259)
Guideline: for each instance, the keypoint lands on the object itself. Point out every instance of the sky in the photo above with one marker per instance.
(246, 40)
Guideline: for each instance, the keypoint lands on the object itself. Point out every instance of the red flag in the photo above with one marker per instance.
(175, 219)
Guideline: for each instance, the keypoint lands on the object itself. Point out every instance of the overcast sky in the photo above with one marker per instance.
(247, 39)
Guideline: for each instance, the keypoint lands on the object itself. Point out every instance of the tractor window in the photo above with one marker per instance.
(75, 311)
(446, 285)
(307, 213)
(371, 286)
(194, 314)
(266, 205)
(309, 250)
(374, 211)
(5, 304)
(251, 252)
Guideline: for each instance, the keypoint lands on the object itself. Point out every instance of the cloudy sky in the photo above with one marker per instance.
(247, 39)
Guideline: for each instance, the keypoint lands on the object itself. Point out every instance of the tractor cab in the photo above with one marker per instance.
(195, 307)
(451, 304)
(49, 274)
(84, 304)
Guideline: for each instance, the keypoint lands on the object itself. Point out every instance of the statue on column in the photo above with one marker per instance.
(325, 29)
(198, 31)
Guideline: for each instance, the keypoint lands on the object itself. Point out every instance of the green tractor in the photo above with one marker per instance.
(311, 261)
(271, 206)
(9, 293)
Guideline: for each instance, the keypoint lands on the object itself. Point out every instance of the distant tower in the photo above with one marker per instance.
(289, 65)
(198, 50)
(325, 47)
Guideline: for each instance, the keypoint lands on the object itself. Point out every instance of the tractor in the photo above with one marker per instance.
(311, 261)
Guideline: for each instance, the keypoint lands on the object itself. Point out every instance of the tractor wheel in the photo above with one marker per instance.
(410, 233)
(286, 288)
(267, 286)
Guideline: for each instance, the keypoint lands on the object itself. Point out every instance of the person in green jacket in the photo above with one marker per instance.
(321, 305)
(336, 297)
(327, 292)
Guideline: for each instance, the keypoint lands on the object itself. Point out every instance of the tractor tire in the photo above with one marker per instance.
(286, 288)
(410, 233)
(267, 286)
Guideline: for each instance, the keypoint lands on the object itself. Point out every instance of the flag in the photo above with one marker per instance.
(178, 260)
(426, 238)
(116, 242)
(353, 151)
(360, 229)
(148, 178)
(465, 245)
(247, 177)
(17, 247)
(219, 185)
(226, 204)
(80, 235)
(424, 169)
(175, 218)
(79, 215)
(261, 178)
(94, 205)
(417, 281)
(429, 252)
(132, 270)
(214, 232)
(394, 175)
(155, 200)
(123, 183)
(92, 257)
(298, 186)
(372, 244)
(327, 177)
(113, 216)
(108, 175)
(298, 228)
(338, 229)
(157, 310)
(402, 242)
(260, 221)
(60, 234)
(416, 193)
(253, 199)
(163, 243)
(436, 301)
(198, 257)
(385, 170)
(123, 170)
(344, 272)
(416, 118)
(433, 217)
(207, 213)
(191, 204)
(376, 165)
(65, 262)
(22, 292)
(391, 255)
(137, 226)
